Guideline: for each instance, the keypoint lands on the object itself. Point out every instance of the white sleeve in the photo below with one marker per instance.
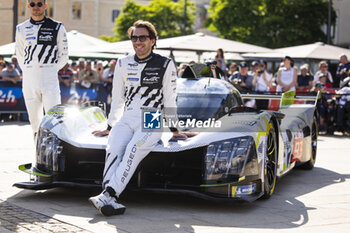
(118, 98)
(19, 47)
(170, 93)
(169, 86)
(62, 46)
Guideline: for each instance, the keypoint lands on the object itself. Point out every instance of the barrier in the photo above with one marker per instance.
(12, 101)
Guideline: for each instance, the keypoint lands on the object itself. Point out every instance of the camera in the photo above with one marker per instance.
(260, 71)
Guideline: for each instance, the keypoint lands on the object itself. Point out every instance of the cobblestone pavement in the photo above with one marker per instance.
(16, 219)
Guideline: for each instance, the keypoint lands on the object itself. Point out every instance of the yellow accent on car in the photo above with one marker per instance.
(241, 179)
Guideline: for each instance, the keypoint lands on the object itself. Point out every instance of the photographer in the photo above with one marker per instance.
(262, 82)
(88, 75)
(242, 80)
(99, 68)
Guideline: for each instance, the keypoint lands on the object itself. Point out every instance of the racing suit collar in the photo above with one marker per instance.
(146, 59)
(38, 22)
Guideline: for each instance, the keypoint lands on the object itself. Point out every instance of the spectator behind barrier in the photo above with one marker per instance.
(262, 81)
(81, 64)
(11, 74)
(219, 57)
(323, 69)
(305, 80)
(232, 69)
(108, 74)
(2, 66)
(99, 68)
(242, 78)
(254, 67)
(88, 75)
(343, 108)
(343, 68)
(65, 75)
(322, 83)
(74, 68)
(15, 64)
(287, 76)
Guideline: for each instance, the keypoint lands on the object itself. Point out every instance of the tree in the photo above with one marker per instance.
(166, 15)
(270, 23)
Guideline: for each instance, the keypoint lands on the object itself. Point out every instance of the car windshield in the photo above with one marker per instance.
(198, 105)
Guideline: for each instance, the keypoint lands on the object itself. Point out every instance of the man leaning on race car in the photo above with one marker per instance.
(143, 80)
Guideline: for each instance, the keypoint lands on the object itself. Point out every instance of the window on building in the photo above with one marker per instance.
(22, 4)
(49, 8)
(115, 14)
(76, 10)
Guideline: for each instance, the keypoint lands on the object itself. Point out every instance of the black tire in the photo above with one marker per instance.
(270, 173)
(314, 133)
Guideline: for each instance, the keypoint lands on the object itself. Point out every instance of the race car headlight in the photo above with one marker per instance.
(48, 149)
(225, 160)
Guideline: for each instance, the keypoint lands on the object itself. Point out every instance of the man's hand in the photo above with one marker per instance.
(101, 133)
(183, 135)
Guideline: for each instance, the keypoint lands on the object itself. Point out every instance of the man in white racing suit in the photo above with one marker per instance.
(143, 80)
(42, 50)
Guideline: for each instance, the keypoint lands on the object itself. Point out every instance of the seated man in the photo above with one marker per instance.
(10, 74)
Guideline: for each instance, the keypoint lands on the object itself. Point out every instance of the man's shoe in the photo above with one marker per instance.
(106, 204)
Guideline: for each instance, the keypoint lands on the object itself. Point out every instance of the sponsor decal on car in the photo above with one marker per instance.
(298, 147)
(238, 191)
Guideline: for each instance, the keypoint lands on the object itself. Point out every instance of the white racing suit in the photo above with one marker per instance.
(137, 84)
(41, 49)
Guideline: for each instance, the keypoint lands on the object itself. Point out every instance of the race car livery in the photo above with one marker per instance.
(240, 160)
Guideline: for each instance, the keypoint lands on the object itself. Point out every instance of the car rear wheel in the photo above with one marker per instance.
(271, 162)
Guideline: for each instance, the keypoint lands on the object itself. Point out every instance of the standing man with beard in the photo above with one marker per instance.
(141, 80)
(42, 50)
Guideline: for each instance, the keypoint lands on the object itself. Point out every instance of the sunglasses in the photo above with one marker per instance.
(39, 4)
(141, 38)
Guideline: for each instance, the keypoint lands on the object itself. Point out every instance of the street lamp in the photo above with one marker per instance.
(185, 9)
(329, 22)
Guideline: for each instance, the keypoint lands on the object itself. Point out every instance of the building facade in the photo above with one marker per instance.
(342, 29)
(92, 17)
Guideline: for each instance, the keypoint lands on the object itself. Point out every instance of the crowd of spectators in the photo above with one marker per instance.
(248, 77)
(255, 76)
